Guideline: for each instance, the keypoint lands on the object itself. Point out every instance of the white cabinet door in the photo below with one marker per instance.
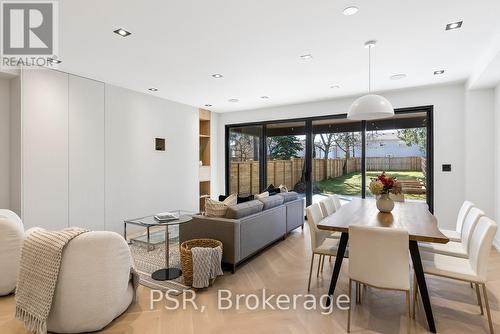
(45, 149)
(86, 153)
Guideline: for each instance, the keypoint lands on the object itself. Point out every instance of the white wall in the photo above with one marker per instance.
(139, 180)
(449, 141)
(87, 156)
(496, 184)
(4, 143)
(479, 149)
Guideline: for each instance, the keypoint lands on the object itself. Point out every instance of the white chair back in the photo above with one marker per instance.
(480, 245)
(336, 201)
(314, 216)
(327, 206)
(378, 256)
(462, 213)
(470, 222)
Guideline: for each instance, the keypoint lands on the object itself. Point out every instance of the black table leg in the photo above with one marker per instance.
(338, 264)
(422, 286)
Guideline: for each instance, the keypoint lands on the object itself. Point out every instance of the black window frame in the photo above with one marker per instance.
(428, 109)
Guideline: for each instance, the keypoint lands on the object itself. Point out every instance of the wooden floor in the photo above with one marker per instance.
(283, 268)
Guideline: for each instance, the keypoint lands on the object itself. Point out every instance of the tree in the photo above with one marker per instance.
(326, 143)
(415, 136)
(243, 146)
(283, 147)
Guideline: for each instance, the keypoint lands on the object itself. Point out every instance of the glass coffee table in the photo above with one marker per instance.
(148, 222)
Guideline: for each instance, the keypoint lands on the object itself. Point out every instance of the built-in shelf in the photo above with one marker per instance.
(204, 172)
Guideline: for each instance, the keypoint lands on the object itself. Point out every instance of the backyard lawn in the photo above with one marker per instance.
(350, 184)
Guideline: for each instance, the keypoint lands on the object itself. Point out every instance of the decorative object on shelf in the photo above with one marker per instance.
(187, 257)
(370, 106)
(382, 186)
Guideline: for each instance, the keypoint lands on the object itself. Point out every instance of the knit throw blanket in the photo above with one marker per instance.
(206, 265)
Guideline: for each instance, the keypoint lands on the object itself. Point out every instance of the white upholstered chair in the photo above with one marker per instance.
(473, 270)
(378, 257)
(336, 201)
(454, 248)
(321, 244)
(94, 285)
(11, 242)
(327, 206)
(456, 234)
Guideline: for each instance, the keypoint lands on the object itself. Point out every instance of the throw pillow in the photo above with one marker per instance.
(241, 199)
(262, 195)
(215, 208)
(283, 188)
(272, 190)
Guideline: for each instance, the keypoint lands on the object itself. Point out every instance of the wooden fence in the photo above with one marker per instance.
(244, 175)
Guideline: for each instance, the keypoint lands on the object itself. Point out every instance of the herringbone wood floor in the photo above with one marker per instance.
(283, 268)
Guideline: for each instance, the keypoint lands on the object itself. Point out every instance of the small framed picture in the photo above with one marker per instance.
(160, 144)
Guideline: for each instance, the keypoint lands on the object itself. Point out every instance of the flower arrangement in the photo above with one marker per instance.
(384, 184)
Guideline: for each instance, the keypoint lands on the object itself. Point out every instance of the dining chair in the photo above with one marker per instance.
(456, 234)
(378, 258)
(472, 270)
(336, 201)
(454, 248)
(327, 206)
(320, 243)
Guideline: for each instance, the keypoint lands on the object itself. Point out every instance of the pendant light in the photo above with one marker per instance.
(370, 106)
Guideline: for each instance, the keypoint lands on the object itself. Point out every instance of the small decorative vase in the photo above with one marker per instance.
(385, 203)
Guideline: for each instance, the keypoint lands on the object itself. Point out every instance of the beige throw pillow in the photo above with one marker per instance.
(215, 208)
(262, 195)
(283, 188)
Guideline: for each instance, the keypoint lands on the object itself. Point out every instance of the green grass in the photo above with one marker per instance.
(350, 184)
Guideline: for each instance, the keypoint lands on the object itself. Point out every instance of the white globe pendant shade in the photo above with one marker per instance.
(370, 107)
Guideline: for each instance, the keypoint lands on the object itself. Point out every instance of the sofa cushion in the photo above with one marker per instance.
(289, 196)
(244, 209)
(271, 201)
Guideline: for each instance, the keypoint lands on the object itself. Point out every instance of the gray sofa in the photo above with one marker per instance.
(248, 227)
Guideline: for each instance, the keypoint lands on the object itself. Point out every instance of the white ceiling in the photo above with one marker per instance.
(256, 45)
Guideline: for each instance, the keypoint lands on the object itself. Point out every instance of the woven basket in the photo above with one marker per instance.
(187, 256)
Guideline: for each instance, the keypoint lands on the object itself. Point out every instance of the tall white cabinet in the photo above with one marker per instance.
(62, 151)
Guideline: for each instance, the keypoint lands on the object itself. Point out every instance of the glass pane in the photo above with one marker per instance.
(337, 158)
(398, 146)
(285, 156)
(244, 149)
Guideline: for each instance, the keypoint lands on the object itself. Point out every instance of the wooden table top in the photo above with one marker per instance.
(412, 216)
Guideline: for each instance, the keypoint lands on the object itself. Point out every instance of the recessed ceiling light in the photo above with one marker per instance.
(335, 86)
(217, 76)
(54, 60)
(350, 10)
(152, 89)
(454, 25)
(307, 56)
(398, 76)
(122, 32)
(439, 72)
(264, 97)
(208, 105)
(233, 100)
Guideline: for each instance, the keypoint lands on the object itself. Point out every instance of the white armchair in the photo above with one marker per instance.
(11, 242)
(94, 285)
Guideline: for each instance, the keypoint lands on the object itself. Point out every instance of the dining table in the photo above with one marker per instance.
(413, 216)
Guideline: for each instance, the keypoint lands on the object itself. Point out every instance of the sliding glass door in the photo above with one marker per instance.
(398, 146)
(244, 160)
(336, 158)
(319, 156)
(285, 153)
